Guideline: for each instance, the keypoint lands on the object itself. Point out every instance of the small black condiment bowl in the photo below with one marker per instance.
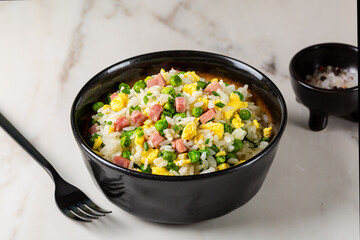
(178, 199)
(324, 102)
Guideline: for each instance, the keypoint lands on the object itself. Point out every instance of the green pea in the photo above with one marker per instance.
(228, 128)
(168, 90)
(201, 151)
(139, 85)
(108, 99)
(182, 115)
(175, 80)
(172, 165)
(97, 105)
(170, 107)
(244, 114)
(145, 170)
(230, 155)
(197, 111)
(147, 78)
(126, 86)
(91, 140)
(202, 84)
(220, 160)
(161, 124)
(238, 145)
(214, 148)
(125, 141)
(134, 108)
(126, 154)
(194, 156)
(169, 156)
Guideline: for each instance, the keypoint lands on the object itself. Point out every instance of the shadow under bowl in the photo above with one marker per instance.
(324, 102)
(178, 199)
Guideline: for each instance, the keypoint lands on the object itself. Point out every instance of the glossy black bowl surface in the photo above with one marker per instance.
(178, 199)
(324, 102)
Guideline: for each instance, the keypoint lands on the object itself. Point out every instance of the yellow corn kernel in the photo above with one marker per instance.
(256, 123)
(97, 143)
(214, 80)
(222, 166)
(240, 161)
(267, 132)
(220, 154)
(106, 106)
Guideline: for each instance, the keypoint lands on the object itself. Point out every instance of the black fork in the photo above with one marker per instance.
(70, 200)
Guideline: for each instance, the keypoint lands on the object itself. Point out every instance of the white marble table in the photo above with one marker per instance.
(49, 49)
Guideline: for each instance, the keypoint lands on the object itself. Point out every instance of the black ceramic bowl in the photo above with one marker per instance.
(324, 102)
(178, 199)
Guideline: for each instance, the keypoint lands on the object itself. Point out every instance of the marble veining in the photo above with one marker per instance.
(49, 49)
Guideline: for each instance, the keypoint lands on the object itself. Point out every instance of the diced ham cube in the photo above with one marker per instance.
(120, 123)
(158, 80)
(93, 129)
(212, 87)
(178, 145)
(156, 138)
(123, 162)
(207, 116)
(137, 117)
(155, 112)
(112, 96)
(180, 104)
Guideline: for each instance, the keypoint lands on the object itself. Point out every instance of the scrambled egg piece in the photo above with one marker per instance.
(194, 77)
(236, 103)
(237, 121)
(189, 131)
(106, 106)
(160, 171)
(217, 128)
(198, 138)
(111, 129)
(220, 154)
(267, 132)
(119, 102)
(150, 154)
(256, 123)
(97, 143)
(190, 88)
(182, 162)
(140, 140)
(223, 166)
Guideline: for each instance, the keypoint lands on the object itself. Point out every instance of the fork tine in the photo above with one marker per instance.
(86, 209)
(92, 206)
(73, 216)
(80, 213)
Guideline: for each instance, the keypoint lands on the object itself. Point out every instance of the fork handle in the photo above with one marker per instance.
(26, 145)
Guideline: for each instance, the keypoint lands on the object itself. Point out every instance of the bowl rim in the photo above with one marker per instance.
(310, 48)
(253, 160)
